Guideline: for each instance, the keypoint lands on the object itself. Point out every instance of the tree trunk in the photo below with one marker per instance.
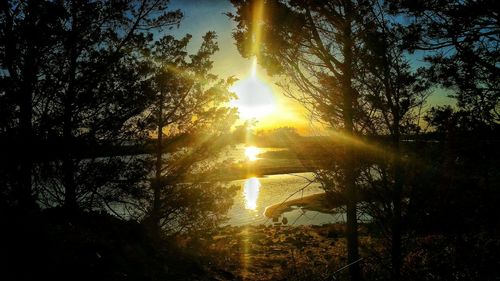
(396, 252)
(26, 130)
(27, 86)
(157, 182)
(350, 179)
(68, 168)
(70, 200)
(352, 225)
(397, 190)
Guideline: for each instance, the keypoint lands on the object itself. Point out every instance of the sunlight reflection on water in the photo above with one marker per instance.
(251, 192)
(272, 190)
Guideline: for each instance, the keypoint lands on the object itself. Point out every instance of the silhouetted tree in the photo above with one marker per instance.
(190, 120)
(461, 41)
(76, 67)
(314, 46)
(395, 95)
(102, 80)
(26, 36)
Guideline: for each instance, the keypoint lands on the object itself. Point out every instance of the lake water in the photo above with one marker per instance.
(255, 194)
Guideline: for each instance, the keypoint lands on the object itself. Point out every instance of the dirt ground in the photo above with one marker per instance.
(278, 252)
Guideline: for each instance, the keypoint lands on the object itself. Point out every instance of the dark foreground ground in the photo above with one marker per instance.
(96, 246)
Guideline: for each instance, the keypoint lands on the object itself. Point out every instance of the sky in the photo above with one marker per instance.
(209, 15)
(201, 16)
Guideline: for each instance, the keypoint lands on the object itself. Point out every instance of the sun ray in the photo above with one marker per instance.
(254, 67)
(258, 13)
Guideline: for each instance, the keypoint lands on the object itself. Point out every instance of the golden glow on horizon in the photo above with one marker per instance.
(251, 190)
(251, 153)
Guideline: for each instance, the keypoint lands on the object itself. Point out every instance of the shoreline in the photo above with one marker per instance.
(318, 202)
(245, 173)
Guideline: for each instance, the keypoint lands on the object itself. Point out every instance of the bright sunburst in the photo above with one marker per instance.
(251, 153)
(255, 97)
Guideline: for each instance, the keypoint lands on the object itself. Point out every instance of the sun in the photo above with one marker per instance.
(251, 153)
(255, 97)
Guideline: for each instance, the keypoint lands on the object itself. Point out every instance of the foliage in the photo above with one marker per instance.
(80, 83)
(461, 39)
(191, 121)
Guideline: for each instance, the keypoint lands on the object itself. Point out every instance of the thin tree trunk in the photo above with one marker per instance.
(350, 184)
(26, 199)
(352, 224)
(396, 251)
(26, 129)
(70, 200)
(157, 182)
(397, 191)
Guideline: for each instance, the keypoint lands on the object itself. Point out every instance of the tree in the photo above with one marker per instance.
(26, 28)
(461, 41)
(395, 95)
(314, 45)
(103, 83)
(190, 120)
(83, 80)
(97, 75)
